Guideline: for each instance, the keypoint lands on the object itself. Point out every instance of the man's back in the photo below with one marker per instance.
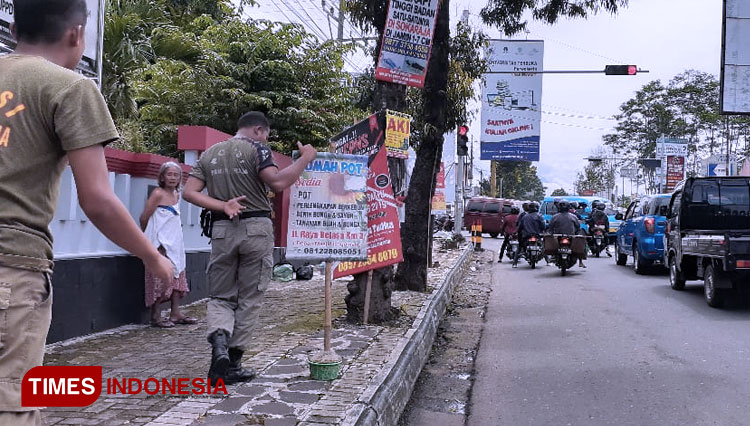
(45, 110)
(563, 223)
(532, 224)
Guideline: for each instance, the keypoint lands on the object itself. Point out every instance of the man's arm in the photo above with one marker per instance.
(192, 194)
(279, 180)
(107, 213)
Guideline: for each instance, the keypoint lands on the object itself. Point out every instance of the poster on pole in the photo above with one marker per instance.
(735, 58)
(675, 171)
(407, 42)
(328, 210)
(666, 148)
(438, 198)
(397, 134)
(384, 235)
(512, 101)
(90, 64)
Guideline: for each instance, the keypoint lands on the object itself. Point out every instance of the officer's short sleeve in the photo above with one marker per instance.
(199, 171)
(265, 157)
(81, 118)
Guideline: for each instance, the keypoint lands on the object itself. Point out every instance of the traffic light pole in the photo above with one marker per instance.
(459, 195)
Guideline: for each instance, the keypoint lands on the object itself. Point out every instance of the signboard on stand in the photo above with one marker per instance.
(672, 153)
(675, 171)
(512, 101)
(328, 210)
(735, 58)
(407, 42)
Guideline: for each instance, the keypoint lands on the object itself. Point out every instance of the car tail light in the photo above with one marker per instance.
(565, 241)
(743, 264)
(532, 239)
(649, 223)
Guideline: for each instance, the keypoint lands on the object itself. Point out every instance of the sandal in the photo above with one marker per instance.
(162, 324)
(185, 320)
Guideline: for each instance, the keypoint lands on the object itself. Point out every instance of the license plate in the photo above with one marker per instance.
(612, 230)
(564, 250)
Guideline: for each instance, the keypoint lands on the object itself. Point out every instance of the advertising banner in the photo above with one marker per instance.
(407, 42)
(363, 138)
(438, 199)
(328, 210)
(675, 171)
(397, 134)
(512, 101)
(384, 235)
(735, 58)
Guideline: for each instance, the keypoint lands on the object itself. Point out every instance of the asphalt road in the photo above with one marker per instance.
(604, 346)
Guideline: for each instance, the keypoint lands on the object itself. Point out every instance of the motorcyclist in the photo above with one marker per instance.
(598, 217)
(510, 227)
(531, 223)
(565, 222)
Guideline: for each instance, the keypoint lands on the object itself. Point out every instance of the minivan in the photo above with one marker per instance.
(489, 211)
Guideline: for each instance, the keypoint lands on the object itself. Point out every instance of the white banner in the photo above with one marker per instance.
(735, 56)
(512, 101)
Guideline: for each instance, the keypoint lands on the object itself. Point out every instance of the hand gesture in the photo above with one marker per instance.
(162, 267)
(307, 152)
(233, 207)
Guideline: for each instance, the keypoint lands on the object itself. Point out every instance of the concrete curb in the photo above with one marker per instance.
(384, 400)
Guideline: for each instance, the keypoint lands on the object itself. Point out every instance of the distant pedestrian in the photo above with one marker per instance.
(163, 227)
(51, 116)
(237, 174)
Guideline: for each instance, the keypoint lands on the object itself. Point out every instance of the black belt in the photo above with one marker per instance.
(217, 216)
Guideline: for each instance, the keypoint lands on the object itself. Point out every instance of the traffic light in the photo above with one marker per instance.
(462, 141)
(620, 70)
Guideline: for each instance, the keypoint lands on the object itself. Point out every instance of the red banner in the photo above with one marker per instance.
(384, 234)
(675, 171)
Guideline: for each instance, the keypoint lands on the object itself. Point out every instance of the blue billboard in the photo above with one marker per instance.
(522, 149)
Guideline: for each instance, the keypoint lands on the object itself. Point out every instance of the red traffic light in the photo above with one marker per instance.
(621, 70)
(463, 130)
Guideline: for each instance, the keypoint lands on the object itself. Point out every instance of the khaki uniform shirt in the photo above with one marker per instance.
(232, 168)
(45, 110)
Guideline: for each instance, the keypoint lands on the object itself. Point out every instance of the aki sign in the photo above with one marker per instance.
(328, 210)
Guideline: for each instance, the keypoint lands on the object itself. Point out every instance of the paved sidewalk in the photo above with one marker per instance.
(290, 329)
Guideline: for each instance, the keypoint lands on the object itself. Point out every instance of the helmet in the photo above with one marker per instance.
(598, 205)
(563, 206)
(514, 210)
(525, 206)
(573, 205)
(533, 207)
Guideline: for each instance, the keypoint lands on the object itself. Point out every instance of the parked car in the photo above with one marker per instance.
(708, 235)
(489, 211)
(641, 233)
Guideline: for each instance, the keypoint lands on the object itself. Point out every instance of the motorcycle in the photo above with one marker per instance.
(564, 257)
(598, 241)
(512, 247)
(534, 250)
(443, 223)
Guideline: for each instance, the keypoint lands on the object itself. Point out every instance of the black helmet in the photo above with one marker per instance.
(573, 205)
(514, 210)
(533, 207)
(598, 205)
(525, 206)
(563, 206)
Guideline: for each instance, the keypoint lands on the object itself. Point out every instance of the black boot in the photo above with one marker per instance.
(235, 372)
(219, 356)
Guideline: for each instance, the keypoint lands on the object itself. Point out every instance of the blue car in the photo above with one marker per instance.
(548, 209)
(641, 233)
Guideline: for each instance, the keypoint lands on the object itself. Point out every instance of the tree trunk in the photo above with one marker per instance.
(412, 273)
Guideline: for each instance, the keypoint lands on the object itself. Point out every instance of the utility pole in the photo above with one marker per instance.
(340, 21)
(493, 179)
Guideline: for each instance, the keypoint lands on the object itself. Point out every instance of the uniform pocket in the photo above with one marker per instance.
(218, 233)
(266, 267)
(258, 229)
(4, 305)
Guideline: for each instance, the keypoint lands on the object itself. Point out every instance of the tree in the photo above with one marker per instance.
(518, 180)
(560, 192)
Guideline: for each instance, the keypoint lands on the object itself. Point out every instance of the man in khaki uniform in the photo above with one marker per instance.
(49, 115)
(237, 174)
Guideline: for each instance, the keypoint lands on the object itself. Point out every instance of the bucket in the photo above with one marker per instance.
(324, 370)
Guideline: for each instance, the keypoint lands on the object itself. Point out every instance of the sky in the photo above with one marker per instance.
(665, 37)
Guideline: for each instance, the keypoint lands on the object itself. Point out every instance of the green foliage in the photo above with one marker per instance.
(559, 192)
(510, 15)
(597, 177)
(196, 62)
(518, 180)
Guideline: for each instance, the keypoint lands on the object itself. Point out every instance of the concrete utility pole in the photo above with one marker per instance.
(493, 179)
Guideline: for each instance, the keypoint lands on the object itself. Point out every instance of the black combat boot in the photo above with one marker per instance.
(219, 356)
(235, 372)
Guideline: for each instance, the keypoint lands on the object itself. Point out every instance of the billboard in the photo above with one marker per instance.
(512, 101)
(407, 42)
(675, 171)
(671, 152)
(91, 62)
(735, 58)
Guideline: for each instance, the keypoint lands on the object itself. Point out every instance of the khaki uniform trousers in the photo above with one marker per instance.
(25, 315)
(238, 273)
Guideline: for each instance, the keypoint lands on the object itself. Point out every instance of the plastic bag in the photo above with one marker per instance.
(304, 272)
(283, 272)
